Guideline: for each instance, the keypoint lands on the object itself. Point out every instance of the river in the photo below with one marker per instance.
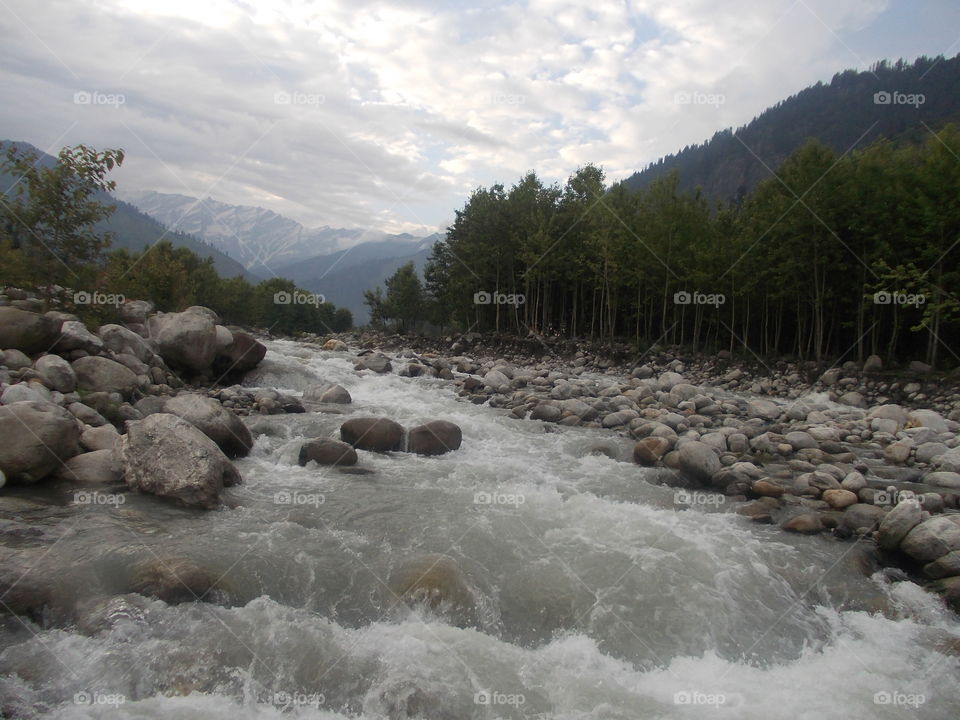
(593, 592)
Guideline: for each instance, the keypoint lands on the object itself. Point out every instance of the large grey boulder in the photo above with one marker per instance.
(932, 538)
(434, 438)
(371, 433)
(100, 374)
(698, 461)
(99, 466)
(927, 418)
(165, 455)
(27, 331)
(326, 393)
(56, 373)
(122, 340)
(897, 523)
(496, 381)
(327, 451)
(218, 423)
(186, 340)
(378, 362)
(25, 392)
(35, 439)
(241, 355)
(75, 336)
(136, 311)
(15, 359)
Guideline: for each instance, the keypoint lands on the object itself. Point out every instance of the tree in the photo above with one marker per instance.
(51, 214)
(404, 298)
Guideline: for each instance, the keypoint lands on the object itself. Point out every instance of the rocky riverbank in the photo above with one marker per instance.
(153, 404)
(849, 452)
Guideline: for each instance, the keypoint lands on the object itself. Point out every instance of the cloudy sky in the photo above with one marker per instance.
(386, 115)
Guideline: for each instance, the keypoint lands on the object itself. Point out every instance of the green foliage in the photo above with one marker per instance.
(792, 269)
(51, 232)
(49, 215)
(403, 303)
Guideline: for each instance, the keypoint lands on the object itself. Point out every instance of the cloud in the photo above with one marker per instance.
(372, 114)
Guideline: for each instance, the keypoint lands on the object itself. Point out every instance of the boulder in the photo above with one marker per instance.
(165, 455)
(218, 423)
(224, 338)
(100, 438)
(799, 440)
(650, 450)
(853, 399)
(242, 355)
(75, 336)
(56, 373)
(897, 523)
(15, 359)
(943, 479)
(805, 524)
(177, 580)
(434, 438)
(928, 419)
(27, 331)
(186, 340)
(496, 381)
(37, 438)
(100, 374)
(327, 451)
(839, 499)
(668, 380)
(766, 488)
(698, 461)
(97, 467)
(897, 452)
(889, 412)
(334, 345)
(763, 409)
(944, 566)
(372, 433)
(136, 311)
(122, 340)
(546, 412)
(378, 362)
(949, 589)
(932, 539)
(873, 364)
(325, 393)
(25, 392)
(861, 515)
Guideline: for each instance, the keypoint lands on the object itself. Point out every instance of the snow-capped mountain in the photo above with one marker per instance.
(260, 239)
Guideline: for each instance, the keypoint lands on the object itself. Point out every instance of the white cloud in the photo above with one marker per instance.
(397, 111)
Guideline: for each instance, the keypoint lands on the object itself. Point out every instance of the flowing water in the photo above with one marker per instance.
(590, 593)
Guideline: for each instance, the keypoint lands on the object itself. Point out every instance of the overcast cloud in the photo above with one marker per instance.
(386, 115)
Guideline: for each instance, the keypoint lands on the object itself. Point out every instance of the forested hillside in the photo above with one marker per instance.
(839, 256)
(898, 101)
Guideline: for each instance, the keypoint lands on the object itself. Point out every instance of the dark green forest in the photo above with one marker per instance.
(837, 255)
(841, 114)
